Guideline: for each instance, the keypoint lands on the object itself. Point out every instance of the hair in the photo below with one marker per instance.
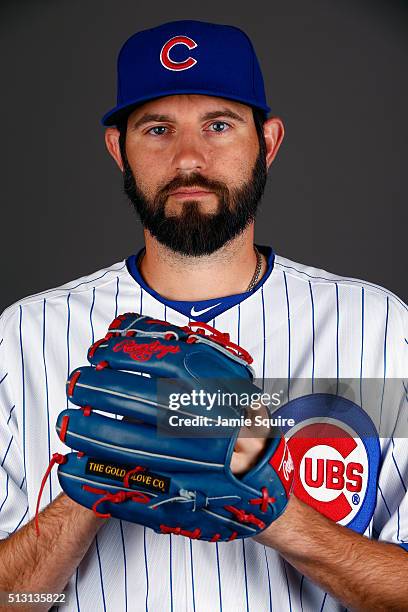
(259, 119)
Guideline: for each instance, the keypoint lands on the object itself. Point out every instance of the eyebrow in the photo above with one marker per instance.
(158, 118)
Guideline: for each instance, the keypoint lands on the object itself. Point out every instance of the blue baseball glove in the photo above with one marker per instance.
(147, 461)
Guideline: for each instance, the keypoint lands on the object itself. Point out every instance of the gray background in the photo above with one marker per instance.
(335, 71)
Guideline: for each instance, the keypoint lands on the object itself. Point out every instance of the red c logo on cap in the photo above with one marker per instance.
(168, 46)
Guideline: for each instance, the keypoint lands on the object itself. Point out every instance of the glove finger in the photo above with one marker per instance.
(122, 393)
(137, 444)
(150, 355)
(144, 325)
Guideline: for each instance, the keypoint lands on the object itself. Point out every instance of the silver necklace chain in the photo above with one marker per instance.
(257, 272)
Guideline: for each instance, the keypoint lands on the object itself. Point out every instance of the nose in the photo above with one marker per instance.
(189, 153)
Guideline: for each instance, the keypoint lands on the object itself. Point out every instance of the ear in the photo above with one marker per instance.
(112, 144)
(274, 133)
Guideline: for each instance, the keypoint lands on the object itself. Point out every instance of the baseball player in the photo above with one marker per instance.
(191, 135)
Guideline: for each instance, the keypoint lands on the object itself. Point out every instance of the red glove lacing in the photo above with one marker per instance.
(56, 458)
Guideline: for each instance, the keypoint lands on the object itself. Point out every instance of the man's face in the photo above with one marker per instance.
(194, 170)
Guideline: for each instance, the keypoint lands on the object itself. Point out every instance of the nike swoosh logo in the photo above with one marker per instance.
(197, 313)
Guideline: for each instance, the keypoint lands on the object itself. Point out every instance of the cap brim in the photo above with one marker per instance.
(114, 116)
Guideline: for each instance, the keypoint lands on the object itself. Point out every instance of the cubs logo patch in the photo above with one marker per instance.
(335, 450)
(171, 63)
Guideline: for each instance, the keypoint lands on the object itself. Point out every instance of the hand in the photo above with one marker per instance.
(247, 453)
(249, 450)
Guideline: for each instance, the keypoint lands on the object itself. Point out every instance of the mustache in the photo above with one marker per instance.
(193, 180)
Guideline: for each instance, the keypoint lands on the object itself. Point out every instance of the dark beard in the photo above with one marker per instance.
(192, 232)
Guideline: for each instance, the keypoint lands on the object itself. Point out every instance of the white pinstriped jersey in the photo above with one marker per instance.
(301, 322)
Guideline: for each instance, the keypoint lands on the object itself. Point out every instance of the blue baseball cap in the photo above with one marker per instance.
(187, 57)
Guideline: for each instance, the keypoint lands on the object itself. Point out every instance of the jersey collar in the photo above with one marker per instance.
(202, 310)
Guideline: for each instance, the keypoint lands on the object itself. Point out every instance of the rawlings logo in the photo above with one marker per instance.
(282, 463)
(144, 352)
(287, 466)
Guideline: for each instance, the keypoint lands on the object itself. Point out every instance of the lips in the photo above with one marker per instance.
(189, 192)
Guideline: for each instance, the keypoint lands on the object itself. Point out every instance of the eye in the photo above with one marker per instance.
(158, 130)
(219, 126)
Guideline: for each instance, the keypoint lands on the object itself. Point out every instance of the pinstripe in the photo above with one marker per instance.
(245, 575)
(219, 575)
(264, 339)
(396, 465)
(68, 329)
(11, 410)
(5, 499)
(20, 521)
(287, 584)
(288, 314)
(90, 316)
(398, 527)
(337, 337)
(405, 387)
(76, 589)
(7, 450)
(301, 592)
(239, 324)
(269, 580)
(22, 482)
(323, 602)
(116, 296)
(1, 341)
(313, 335)
(383, 498)
(100, 572)
(124, 563)
(46, 397)
(4, 377)
(192, 573)
(171, 573)
(146, 567)
(23, 388)
(362, 346)
(385, 363)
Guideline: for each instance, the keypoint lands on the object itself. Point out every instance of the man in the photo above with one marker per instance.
(191, 137)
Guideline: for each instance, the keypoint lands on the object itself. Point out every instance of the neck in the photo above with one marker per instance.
(228, 271)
